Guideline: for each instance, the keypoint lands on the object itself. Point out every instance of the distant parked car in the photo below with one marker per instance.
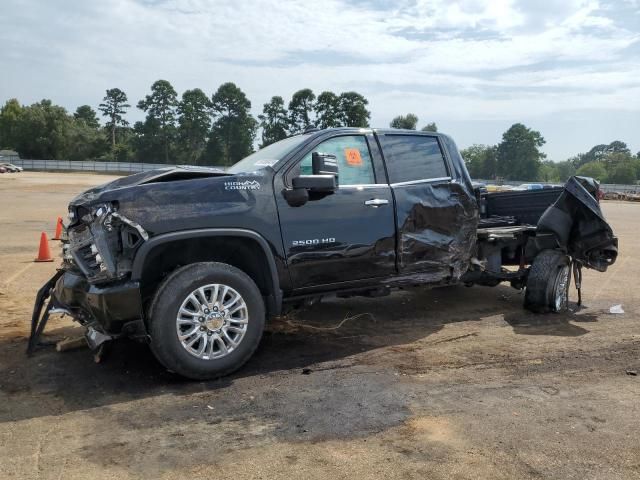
(10, 167)
(529, 186)
(498, 188)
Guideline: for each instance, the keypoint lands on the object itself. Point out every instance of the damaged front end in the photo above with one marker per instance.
(92, 285)
(101, 242)
(108, 224)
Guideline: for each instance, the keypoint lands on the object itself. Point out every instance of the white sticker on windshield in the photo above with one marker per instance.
(266, 162)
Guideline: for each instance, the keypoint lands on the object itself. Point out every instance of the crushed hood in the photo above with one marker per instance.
(169, 174)
(174, 199)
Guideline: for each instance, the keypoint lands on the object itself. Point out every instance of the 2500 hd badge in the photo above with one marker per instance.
(313, 241)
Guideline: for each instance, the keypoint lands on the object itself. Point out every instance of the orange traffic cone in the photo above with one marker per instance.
(58, 235)
(44, 254)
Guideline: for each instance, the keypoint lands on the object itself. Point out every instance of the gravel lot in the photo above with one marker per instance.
(447, 383)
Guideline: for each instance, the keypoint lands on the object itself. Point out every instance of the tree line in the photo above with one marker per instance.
(410, 122)
(195, 128)
(518, 157)
(219, 129)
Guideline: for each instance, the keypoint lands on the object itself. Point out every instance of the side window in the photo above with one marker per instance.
(413, 157)
(354, 161)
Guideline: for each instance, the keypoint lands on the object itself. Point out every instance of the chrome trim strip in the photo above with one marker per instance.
(364, 185)
(376, 202)
(417, 182)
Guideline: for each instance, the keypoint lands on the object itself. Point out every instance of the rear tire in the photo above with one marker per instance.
(548, 283)
(206, 320)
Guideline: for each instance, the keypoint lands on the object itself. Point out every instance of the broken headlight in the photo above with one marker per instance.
(104, 241)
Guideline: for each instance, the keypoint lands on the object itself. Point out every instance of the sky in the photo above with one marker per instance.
(568, 68)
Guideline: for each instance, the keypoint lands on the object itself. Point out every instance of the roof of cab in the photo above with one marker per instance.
(381, 131)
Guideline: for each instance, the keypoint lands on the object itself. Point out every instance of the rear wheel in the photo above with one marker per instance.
(206, 320)
(548, 283)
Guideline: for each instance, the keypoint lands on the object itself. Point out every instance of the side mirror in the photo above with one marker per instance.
(325, 174)
(324, 164)
(315, 183)
(324, 180)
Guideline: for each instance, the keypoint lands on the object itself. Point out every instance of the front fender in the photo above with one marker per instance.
(147, 247)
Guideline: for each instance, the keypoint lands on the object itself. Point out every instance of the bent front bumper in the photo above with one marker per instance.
(114, 310)
(108, 309)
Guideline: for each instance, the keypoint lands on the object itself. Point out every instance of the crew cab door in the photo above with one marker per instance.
(345, 235)
(436, 213)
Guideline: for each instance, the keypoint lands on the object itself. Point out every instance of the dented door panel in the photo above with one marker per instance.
(436, 223)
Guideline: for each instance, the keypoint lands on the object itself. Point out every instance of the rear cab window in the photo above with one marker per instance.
(412, 158)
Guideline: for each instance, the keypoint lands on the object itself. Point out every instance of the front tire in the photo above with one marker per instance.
(206, 320)
(548, 283)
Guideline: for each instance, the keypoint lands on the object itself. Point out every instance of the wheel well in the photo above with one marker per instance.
(243, 253)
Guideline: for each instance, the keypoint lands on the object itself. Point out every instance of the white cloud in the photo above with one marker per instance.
(488, 60)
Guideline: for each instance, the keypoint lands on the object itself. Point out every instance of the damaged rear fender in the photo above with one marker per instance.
(575, 223)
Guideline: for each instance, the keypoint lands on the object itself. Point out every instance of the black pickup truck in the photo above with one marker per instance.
(195, 260)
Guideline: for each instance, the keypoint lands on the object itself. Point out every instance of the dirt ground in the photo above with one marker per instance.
(449, 383)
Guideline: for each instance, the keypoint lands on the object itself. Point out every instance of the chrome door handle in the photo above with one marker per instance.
(376, 202)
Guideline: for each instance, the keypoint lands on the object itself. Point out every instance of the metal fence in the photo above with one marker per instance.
(87, 166)
(127, 168)
(614, 188)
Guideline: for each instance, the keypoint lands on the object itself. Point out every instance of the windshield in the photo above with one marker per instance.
(267, 156)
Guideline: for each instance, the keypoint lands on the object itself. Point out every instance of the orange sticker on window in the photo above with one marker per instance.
(353, 157)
